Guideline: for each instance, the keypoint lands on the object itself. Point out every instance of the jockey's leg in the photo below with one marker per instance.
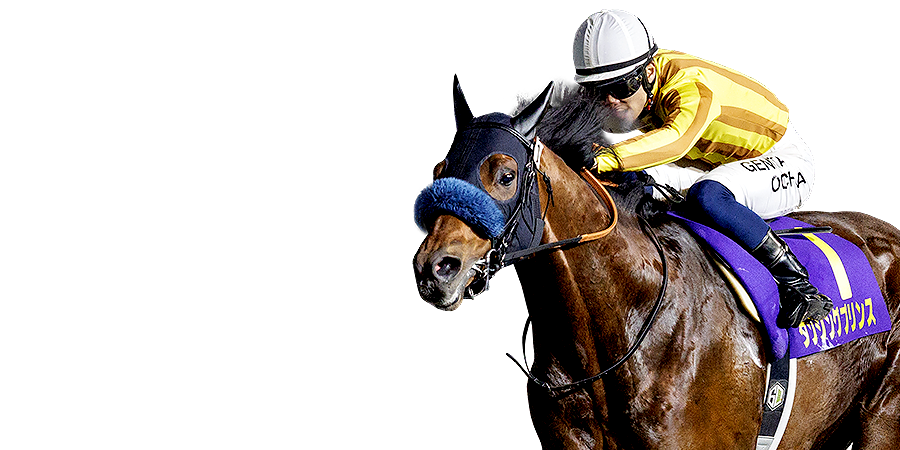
(716, 203)
(800, 300)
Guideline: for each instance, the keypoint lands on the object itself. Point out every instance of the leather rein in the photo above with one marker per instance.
(648, 322)
(491, 261)
(601, 191)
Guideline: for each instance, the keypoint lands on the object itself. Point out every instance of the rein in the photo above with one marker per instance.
(648, 322)
(645, 328)
(497, 257)
(515, 257)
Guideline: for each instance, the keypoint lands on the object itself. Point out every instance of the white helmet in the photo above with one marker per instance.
(610, 44)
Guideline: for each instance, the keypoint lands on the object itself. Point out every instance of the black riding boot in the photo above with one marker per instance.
(800, 300)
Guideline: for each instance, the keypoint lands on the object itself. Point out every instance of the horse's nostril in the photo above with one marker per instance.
(447, 268)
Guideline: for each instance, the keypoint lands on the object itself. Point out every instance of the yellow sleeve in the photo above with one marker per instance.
(687, 110)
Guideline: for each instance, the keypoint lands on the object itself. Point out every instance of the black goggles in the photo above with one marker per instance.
(619, 88)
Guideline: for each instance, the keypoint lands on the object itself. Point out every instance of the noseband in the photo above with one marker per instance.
(497, 257)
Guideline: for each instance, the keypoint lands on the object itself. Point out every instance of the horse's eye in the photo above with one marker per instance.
(507, 178)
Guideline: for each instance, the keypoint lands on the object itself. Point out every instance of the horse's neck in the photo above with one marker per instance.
(583, 296)
(588, 303)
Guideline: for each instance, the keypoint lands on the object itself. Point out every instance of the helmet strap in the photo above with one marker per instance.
(647, 84)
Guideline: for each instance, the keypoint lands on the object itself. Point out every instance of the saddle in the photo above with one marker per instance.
(836, 267)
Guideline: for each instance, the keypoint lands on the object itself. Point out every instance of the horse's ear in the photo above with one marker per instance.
(460, 107)
(526, 121)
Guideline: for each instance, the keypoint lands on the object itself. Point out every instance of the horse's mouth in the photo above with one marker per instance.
(448, 269)
(444, 296)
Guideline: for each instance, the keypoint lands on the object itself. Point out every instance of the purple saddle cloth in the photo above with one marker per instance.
(836, 267)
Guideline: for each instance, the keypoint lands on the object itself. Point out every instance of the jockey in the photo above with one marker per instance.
(710, 131)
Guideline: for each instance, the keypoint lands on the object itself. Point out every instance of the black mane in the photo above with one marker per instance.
(573, 122)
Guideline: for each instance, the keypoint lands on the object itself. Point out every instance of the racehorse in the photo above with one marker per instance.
(638, 341)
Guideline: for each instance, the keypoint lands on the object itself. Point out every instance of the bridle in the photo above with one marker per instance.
(497, 256)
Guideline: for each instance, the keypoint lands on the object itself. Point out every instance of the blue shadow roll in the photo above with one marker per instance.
(463, 200)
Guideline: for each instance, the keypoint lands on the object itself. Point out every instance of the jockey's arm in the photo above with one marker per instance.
(687, 111)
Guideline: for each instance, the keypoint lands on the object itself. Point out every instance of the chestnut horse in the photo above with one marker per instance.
(695, 380)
